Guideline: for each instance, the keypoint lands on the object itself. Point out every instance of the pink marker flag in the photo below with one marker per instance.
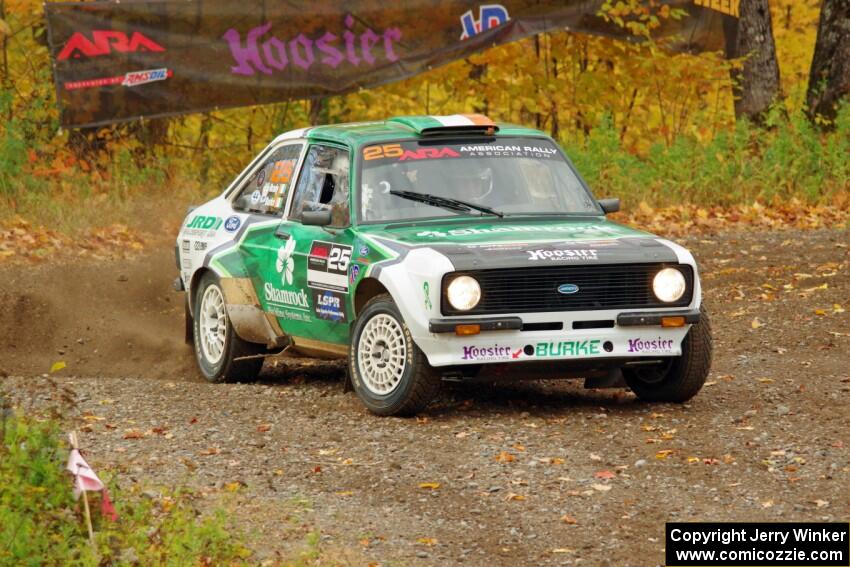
(86, 480)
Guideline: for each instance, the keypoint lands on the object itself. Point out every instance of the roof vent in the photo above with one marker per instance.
(448, 125)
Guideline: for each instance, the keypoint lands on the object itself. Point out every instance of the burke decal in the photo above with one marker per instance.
(104, 42)
(274, 55)
(566, 348)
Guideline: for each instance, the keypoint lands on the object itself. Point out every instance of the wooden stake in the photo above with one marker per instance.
(72, 437)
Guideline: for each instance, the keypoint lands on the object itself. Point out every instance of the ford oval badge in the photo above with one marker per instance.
(567, 288)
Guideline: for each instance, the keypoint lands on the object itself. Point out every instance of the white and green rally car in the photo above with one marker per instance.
(430, 248)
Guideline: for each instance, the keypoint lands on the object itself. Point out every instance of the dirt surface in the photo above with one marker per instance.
(526, 473)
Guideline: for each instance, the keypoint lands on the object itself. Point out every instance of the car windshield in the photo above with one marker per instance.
(425, 179)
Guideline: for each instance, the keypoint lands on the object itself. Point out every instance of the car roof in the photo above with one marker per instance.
(356, 134)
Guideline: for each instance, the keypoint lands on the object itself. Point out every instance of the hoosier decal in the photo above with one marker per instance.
(327, 266)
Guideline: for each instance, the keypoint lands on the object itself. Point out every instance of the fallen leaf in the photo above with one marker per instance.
(57, 366)
(756, 323)
(515, 497)
(232, 486)
(821, 503)
(567, 519)
(605, 475)
(133, 434)
(505, 457)
(563, 550)
(663, 454)
(426, 541)
(429, 485)
(210, 451)
(263, 427)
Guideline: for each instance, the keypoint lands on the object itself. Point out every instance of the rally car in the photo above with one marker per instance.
(428, 248)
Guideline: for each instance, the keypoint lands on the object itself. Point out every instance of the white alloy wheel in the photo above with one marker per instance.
(381, 354)
(213, 324)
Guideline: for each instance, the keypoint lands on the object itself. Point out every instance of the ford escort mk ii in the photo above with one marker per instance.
(431, 248)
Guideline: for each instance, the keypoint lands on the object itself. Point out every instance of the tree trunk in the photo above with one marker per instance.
(829, 77)
(756, 85)
(318, 112)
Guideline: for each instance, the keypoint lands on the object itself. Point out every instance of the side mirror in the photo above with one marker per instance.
(609, 205)
(316, 218)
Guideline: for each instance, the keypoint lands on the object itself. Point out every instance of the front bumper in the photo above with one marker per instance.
(502, 339)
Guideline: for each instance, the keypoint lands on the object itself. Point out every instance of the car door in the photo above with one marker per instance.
(264, 247)
(320, 256)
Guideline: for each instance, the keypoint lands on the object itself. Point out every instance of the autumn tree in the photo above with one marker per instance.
(756, 84)
(829, 77)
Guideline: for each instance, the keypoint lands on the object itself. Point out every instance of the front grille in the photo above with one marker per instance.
(534, 290)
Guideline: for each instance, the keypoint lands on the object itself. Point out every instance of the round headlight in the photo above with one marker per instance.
(669, 285)
(464, 293)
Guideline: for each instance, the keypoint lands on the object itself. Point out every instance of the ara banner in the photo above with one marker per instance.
(118, 60)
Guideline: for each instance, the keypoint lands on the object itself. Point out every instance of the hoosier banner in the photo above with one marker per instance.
(116, 61)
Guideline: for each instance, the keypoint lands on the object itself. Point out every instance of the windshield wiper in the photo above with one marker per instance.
(445, 202)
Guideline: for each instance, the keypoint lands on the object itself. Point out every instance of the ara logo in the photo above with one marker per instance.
(489, 16)
(567, 288)
(104, 42)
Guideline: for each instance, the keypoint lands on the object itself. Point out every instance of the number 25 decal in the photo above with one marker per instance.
(385, 151)
(339, 259)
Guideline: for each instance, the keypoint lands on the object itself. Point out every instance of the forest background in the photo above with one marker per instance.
(655, 128)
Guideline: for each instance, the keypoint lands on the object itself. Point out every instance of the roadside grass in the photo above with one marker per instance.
(788, 163)
(42, 524)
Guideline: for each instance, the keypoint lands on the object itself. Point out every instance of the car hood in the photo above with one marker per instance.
(524, 244)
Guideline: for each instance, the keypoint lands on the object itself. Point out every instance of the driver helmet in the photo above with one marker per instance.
(472, 185)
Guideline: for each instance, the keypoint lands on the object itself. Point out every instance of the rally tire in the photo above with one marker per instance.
(415, 384)
(685, 375)
(224, 367)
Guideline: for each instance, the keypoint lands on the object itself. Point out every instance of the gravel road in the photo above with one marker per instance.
(509, 474)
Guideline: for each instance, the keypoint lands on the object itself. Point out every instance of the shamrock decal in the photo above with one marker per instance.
(285, 263)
